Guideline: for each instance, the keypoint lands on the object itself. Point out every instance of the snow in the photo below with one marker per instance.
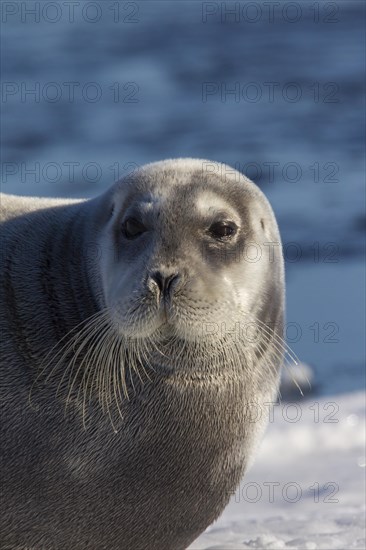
(306, 488)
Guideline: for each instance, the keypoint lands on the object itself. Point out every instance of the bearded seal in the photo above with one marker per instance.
(130, 386)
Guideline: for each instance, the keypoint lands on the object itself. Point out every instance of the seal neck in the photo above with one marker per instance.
(47, 285)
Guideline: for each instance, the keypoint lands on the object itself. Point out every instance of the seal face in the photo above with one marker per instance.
(154, 313)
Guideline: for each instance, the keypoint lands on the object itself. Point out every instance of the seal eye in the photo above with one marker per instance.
(133, 228)
(222, 230)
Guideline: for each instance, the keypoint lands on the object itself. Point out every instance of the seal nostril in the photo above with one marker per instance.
(164, 282)
(170, 280)
(158, 279)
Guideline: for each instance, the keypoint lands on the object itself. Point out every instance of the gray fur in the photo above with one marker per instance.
(155, 473)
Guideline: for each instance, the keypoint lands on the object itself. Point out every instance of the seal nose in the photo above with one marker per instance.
(164, 282)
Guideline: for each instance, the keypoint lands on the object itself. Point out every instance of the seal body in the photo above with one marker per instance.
(133, 389)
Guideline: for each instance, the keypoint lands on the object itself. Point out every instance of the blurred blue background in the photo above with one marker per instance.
(276, 89)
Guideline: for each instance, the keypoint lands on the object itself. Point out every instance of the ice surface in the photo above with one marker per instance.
(316, 468)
